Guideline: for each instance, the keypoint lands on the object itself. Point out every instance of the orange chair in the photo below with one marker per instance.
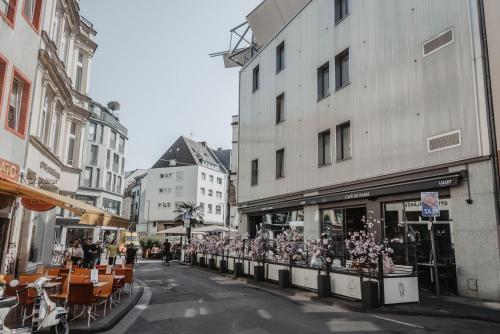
(101, 266)
(84, 271)
(25, 298)
(129, 279)
(5, 279)
(62, 295)
(28, 278)
(79, 278)
(106, 292)
(118, 284)
(53, 271)
(82, 294)
(102, 271)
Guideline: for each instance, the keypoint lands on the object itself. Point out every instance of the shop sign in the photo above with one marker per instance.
(9, 170)
(444, 204)
(36, 205)
(49, 170)
(430, 204)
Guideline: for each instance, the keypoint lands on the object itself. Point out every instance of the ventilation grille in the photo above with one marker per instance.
(438, 42)
(444, 141)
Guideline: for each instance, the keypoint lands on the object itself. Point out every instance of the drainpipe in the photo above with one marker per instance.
(489, 103)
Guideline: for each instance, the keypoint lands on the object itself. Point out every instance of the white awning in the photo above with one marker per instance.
(210, 229)
(173, 230)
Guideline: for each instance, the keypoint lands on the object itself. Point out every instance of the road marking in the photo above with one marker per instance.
(398, 322)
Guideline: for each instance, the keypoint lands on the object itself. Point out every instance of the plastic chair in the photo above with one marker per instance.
(81, 294)
(106, 292)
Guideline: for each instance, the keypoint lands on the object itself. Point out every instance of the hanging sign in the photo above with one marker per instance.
(36, 205)
(9, 170)
(430, 204)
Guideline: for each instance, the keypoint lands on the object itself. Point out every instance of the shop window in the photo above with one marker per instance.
(8, 11)
(18, 104)
(284, 221)
(32, 12)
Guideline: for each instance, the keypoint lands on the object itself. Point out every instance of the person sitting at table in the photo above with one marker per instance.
(75, 253)
(112, 252)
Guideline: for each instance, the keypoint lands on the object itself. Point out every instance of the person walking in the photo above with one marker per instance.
(87, 253)
(165, 252)
(75, 253)
(98, 253)
(130, 254)
(112, 252)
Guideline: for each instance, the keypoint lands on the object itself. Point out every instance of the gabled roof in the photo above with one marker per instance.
(224, 156)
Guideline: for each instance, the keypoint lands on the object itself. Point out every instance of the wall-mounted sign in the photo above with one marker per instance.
(430, 204)
(9, 170)
(36, 205)
(49, 170)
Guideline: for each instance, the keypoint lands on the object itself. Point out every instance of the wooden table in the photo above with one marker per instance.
(100, 284)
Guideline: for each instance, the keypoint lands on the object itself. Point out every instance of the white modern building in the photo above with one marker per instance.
(233, 176)
(348, 107)
(188, 172)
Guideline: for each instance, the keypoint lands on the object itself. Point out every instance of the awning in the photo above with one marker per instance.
(173, 230)
(211, 229)
(90, 215)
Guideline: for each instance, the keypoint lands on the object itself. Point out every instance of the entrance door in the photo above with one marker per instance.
(255, 223)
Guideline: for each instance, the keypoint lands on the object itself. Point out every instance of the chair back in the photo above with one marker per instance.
(80, 293)
(78, 278)
(25, 296)
(108, 288)
(101, 266)
(120, 271)
(53, 271)
(129, 275)
(83, 271)
(11, 291)
(102, 271)
(5, 279)
(63, 271)
(28, 278)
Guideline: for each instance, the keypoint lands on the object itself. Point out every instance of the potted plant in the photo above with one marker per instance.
(222, 247)
(364, 251)
(285, 249)
(258, 248)
(236, 247)
(202, 247)
(321, 260)
(212, 242)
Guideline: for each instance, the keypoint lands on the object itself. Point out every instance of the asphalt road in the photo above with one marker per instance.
(180, 299)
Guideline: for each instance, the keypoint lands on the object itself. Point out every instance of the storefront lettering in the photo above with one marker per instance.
(444, 183)
(357, 195)
(49, 170)
(9, 170)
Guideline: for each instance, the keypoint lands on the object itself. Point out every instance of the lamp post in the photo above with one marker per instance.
(147, 223)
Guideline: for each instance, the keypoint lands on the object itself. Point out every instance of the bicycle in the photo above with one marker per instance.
(45, 312)
(165, 259)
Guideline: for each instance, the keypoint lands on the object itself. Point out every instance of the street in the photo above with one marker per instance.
(183, 299)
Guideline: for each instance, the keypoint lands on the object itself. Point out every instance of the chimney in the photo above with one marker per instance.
(219, 148)
(204, 143)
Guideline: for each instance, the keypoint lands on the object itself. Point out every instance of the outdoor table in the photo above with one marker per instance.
(100, 284)
(51, 285)
(119, 277)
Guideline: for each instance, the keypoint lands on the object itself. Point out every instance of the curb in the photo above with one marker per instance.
(113, 321)
(434, 313)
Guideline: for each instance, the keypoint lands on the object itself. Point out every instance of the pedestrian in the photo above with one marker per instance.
(112, 252)
(75, 253)
(165, 252)
(98, 253)
(130, 254)
(87, 255)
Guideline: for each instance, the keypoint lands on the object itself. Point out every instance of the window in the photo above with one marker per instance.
(202, 191)
(108, 181)
(79, 73)
(255, 78)
(108, 158)
(179, 191)
(280, 163)
(121, 145)
(255, 172)
(94, 151)
(119, 185)
(17, 112)
(342, 69)
(280, 57)
(31, 12)
(56, 25)
(114, 182)
(324, 155)
(55, 129)
(210, 208)
(97, 177)
(64, 51)
(219, 180)
(101, 133)
(218, 209)
(323, 81)
(179, 176)
(218, 194)
(203, 176)
(87, 177)
(116, 162)
(280, 108)
(71, 144)
(341, 9)
(3, 72)
(202, 207)
(344, 141)
(92, 131)
(211, 178)
(112, 140)
(123, 165)
(210, 192)
(8, 10)
(45, 119)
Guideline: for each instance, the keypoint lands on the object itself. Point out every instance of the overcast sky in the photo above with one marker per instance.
(153, 59)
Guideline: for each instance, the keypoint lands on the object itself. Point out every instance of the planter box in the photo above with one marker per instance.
(284, 278)
(193, 260)
(324, 286)
(258, 273)
(212, 264)
(223, 266)
(201, 262)
(369, 294)
(238, 270)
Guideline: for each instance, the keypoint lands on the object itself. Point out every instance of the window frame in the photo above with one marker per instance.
(322, 92)
(280, 172)
(322, 155)
(339, 15)
(91, 171)
(340, 154)
(10, 16)
(22, 123)
(35, 21)
(254, 172)
(280, 108)
(280, 57)
(4, 66)
(256, 78)
(339, 79)
(93, 162)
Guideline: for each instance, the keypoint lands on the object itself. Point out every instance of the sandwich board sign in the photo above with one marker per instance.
(430, 204)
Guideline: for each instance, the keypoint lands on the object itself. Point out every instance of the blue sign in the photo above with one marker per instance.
(430, 204)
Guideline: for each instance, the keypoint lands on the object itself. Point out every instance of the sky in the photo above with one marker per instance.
(154, 59)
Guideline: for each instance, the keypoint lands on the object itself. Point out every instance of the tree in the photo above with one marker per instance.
(114, 105)
(191, 210)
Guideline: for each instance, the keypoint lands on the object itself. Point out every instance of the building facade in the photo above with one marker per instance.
(233, 176)
(20, 24)
(188, 172)
(353, 108)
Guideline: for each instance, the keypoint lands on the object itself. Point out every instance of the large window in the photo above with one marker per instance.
(344, 141)
(255, 172)
(218, 209)
(324, 149)
(179, 176)
(55, 129)
(17, 112)
(342, 69)
(116, 162)
(79, 73)
(108, 159)
(280, 108)
(324, 81)
(255, 78)
(92, 131)
(119, 185)
(87, 177)
(123, 166)
(112, 140)
(341, 9)
(3, 73)
(179, 190)
(94, 152)
(45, 119)
(97, 177)
(121, 145)
(280, 57)
(31, 12)
(280, 163)
(284, 221)
(71, 144)
(8, 10)
(64, 50)
(108, 181)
